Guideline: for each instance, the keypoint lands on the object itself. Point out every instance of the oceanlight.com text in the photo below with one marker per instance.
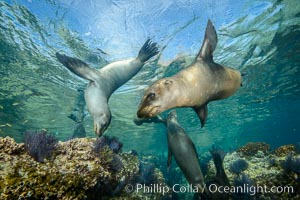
(212, 188)
(250, 189)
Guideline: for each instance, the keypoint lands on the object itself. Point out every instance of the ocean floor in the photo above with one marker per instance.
(74, 171)
(260, 173)
(88, 168)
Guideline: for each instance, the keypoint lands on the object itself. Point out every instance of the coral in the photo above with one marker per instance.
(100, 143)
(39, 145)
(243, 181)
(285, 150)
(116, 163)
(76, 172)
(113, 143)
(292, 164)
(297, 147)
(263, 171)
(9, 146)
(238, 166)
(253, 148)
(272, 162)
(147, 174)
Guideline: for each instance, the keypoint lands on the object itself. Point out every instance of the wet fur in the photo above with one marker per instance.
(195, 86)
(105, 81)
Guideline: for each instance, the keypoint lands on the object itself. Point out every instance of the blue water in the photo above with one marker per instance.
(259, 38)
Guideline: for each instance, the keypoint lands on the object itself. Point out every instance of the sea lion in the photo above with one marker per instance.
(195, 86)
(221, 179)
(157, 120)
(105, 81)
(183, 149)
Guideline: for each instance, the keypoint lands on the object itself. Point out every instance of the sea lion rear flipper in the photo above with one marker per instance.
(202, 112)
(209, 44)
(147, 51)
(78, 67)
(169, 159)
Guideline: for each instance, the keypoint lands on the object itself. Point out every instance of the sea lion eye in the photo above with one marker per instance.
(151, 96)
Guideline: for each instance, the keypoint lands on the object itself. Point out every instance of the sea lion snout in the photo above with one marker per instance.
(101, 123)
(99, 128)
(151, 104)
(147, 111)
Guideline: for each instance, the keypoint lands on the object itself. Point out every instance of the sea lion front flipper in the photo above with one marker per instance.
(147, 51)
(169, 159)
(78, 67)
(202, 112)
(209, 44)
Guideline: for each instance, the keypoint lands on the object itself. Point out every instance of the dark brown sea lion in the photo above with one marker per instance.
(183, 149)
(105, 81)
(195, 86)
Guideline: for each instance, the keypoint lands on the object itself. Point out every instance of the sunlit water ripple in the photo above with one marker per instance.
(37, 92)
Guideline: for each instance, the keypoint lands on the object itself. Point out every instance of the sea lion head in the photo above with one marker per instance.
(101, 122)
(157, 98)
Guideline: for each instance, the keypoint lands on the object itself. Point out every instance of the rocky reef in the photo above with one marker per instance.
(252, 148)
(73, 171)
(276, 170)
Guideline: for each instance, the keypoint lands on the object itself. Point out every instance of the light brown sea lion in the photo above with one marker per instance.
(195, 86)
(105, 81)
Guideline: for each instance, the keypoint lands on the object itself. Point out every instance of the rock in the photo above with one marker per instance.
(252, 148)
(264, 170)
(285, 150)
(75, 172)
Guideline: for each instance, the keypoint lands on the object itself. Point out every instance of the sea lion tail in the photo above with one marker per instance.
(147, 51)
(209, 44)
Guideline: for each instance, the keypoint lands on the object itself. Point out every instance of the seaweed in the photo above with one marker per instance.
(147, 174)
(39, 145)
(238, 166)
(291, 164)
(242, 181)
(111, 142)
(115, 145)
(116, 164)
(272, 162)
